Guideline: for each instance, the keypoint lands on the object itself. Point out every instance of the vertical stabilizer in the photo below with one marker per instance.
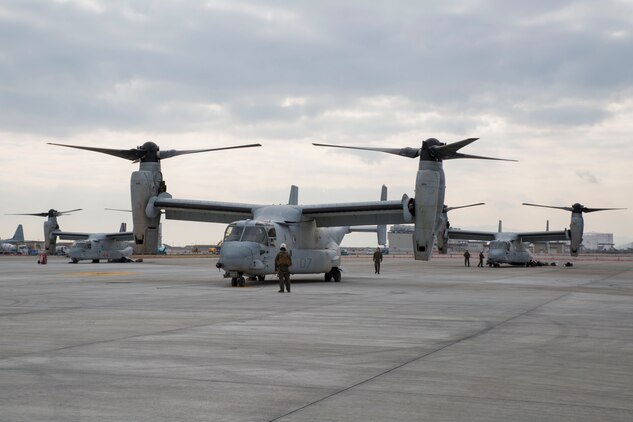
(294, 195)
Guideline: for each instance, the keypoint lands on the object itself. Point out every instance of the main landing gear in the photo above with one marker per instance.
(334, 274)
(238, 281)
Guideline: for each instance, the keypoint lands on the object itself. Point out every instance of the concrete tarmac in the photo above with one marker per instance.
(169, 339)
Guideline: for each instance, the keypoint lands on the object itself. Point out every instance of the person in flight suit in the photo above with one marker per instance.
(466, 259)
(481, 259)
(377, 261)
(283, 262)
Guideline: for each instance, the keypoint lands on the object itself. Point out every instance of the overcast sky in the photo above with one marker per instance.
(546, 82)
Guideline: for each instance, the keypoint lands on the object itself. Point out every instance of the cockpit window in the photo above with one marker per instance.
(255, 234)
(233, 232)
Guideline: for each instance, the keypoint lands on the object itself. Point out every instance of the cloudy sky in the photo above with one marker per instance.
(546, 82)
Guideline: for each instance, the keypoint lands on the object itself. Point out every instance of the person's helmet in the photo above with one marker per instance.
(283, 247)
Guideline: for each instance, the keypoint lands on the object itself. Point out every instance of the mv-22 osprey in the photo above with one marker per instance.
(112, 247)
(312, 233)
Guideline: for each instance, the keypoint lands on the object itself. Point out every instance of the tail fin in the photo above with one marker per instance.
(19, 234)
(382, 228)
(123, 228)
(294, 195)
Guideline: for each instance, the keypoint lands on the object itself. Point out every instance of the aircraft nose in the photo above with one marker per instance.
(235, 256)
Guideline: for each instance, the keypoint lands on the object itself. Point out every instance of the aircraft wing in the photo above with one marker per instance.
(120, 236)
(470, 235)
(548, 236)
(71, 235)
(207, 211)
(355, 213)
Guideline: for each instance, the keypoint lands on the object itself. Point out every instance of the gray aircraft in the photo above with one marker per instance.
(11, 245)
(512, 248)
(577, 224)
(312, 232)
(50, 226)
(88, 246)
(508, 247)
(112, 247)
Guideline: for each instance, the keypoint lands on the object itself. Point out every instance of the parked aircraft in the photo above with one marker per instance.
(11, 245)
(576, 225)
(312, 232)
(508, 247)
(96, 246)
(512, 248)
(50, 226)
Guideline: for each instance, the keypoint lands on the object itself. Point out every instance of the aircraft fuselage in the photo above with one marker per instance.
(99, 248)
(250, 246)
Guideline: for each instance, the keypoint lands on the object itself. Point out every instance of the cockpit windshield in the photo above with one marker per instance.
(255, 234)
(499, 244)
(233, 232)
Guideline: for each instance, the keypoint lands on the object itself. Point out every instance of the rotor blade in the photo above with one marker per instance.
(173, 153)
(127, 154)
(585, 209)
(548, 206)
(37, 214)
(117, 209)
(403, 152)
(68, 212)
(449, 151)
(464, 206)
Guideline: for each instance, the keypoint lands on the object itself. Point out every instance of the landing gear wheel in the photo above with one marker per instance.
(261, 277)
(241, 282)
(336, 273)
(328, 276)
(75, 260)
(95, 261)
(234, 282)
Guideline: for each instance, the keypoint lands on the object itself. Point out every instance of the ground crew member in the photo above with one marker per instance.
(466, 259)
(481, 259)
(377, 261)
(283, 262)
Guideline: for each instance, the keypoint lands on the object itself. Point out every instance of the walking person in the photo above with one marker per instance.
(466, 259)
(283, 262)
(377, 261)
(481, 259)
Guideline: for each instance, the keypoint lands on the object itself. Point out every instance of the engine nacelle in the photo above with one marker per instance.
(50, 242)
(576, 228)
(429, 201)
(145, 184)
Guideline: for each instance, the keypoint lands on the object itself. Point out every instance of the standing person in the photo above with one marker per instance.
(283, 262)
(377, 261)
(481, 259)
(466, 259)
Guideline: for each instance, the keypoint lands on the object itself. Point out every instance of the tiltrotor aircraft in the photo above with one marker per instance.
(577, 224)
(112, 247)
(11, 245)
(50, 227)
(88, 246)
(311, 232)
(512, 248)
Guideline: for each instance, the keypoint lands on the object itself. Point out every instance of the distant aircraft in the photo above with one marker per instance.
(11, 245)
(112, 247)
(508, 247)
(577, 224)
(511, 248)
